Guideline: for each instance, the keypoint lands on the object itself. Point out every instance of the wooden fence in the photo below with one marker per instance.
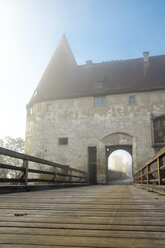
(36, 173)
(153, 172)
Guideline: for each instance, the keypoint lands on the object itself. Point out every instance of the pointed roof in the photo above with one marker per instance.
(63, 56)
(63, 78)
(56, 75)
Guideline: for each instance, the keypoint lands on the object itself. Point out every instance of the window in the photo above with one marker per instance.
(99, 101)
(132, 99)
(99, 85)
(158, 130)
(63, 141)
(49, 107)
(30, 111)
(35, 92)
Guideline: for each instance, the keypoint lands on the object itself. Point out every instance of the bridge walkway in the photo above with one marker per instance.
(93, 216)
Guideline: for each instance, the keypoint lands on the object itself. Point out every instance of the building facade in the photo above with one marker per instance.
(79, 114)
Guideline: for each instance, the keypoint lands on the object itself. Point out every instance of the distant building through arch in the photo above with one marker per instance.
(120, 167)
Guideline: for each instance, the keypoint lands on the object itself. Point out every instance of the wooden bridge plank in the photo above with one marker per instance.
(76, 241)
(97, 216)
(156, 221)
(41, 246)
(83, 233)
(142, 228)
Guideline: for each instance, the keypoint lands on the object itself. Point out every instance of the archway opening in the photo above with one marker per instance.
(120, 167)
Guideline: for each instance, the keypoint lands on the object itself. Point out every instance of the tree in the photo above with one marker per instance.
(14, 144)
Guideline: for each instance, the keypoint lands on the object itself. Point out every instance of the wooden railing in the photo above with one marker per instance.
(34, 173)
(153, 172)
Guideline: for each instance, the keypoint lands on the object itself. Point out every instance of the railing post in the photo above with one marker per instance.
(25, 175)
(70, 176)
(85, 179)
(141, 176)
(54, 177)
(138, 180)
(159, 171)
(148, 175)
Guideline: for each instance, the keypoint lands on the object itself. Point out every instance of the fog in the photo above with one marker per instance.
(119, 165)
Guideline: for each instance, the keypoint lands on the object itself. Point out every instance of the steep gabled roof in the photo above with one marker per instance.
(63, 78)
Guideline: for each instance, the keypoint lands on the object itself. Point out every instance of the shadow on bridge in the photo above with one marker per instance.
(128, 181)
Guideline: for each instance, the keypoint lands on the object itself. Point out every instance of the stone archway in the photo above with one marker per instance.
(117, 141)
(119, 164)
(112, 148)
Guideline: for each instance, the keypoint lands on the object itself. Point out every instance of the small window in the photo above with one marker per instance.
(30, 111)
(49, 107)
(99, 85)
(63, 141)
(35, 92)
(131, 99)
(99, 101)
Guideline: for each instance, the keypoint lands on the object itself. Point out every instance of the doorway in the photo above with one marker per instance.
(119, 164)
(92, 164)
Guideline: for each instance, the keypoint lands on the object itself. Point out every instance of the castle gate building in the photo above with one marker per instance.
(79, 114)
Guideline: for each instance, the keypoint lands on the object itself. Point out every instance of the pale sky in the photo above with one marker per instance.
(99, 30)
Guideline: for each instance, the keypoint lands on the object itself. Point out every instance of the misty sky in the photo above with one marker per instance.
(99, 30)
(126, 161)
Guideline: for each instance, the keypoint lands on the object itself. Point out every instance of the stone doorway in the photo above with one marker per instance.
(92, 165)
(119, 164)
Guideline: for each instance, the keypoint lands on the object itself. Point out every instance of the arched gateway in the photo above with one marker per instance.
(119, 141)
(120, 168)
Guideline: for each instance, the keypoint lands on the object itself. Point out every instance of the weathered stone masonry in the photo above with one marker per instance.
(95, 115)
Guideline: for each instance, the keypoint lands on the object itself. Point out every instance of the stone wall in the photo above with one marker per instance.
(117, 123)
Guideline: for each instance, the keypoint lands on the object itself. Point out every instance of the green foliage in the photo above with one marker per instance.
(14, 144)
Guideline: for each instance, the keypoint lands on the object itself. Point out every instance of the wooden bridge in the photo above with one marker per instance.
(90, 216)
